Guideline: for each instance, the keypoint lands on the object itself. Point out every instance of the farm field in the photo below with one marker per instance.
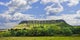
(40, 38)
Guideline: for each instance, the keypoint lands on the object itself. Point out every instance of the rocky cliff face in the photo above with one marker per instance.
(42, 21)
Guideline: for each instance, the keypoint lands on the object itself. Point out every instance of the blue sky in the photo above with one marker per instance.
(14, 11)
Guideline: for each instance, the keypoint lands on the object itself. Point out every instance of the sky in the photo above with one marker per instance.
(14, 11)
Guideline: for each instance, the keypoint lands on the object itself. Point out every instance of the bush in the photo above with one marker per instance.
(76, 30)
(5, 34)
(66, 31)
(42, 31)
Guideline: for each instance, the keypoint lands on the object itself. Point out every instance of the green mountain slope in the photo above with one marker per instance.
(45, 23)
(44, 28)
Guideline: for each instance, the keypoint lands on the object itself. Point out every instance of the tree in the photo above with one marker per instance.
(13, 32)
(66, 31)
(5, 34)
(76, 30)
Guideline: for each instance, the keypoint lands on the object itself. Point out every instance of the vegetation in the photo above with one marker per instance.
(40, 38)
(47, 29)
(43, 31)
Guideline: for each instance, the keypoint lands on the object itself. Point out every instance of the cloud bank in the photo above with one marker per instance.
(15, 14)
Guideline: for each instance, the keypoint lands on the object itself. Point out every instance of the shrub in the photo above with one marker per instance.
(5, 34)
(66, 31)
(76, 30)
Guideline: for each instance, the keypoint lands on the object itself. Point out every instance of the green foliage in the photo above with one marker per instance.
(5, 34)
(76, 30)
(66, 31)
(39, 31)
(42, 30)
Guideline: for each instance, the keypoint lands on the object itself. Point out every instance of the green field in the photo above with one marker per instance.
(40, 38)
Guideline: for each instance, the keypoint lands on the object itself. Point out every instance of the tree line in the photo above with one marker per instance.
(42, 31)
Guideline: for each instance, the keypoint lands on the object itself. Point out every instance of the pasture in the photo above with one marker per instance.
(40, 38)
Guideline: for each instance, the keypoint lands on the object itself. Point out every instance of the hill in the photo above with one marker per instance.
(46, 23)
(43, 28)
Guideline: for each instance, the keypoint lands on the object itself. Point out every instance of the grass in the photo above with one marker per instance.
(40, 38)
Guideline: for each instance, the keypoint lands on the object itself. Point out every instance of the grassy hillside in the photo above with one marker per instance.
(30, 24)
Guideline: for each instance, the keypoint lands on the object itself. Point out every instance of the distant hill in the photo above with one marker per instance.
(42, 21)
(45, 23)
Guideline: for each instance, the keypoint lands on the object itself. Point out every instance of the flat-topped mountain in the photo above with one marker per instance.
(45, 23)
(42, 21)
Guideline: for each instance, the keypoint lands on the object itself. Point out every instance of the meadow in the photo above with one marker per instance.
(40, 38)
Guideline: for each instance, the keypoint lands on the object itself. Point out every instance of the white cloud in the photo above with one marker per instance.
(7, 25)
(61, 1)
(20, 16)
(19, 2)
(32, 1)
(1, 3)
(13, 5)
(70, 4)
(69, 18)
(15, 8)
(47, 1)
(78, 12)
(17, 17)
(14, 12)
(51, 9)
(5, 17)
(18, 5)
(73, 2)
